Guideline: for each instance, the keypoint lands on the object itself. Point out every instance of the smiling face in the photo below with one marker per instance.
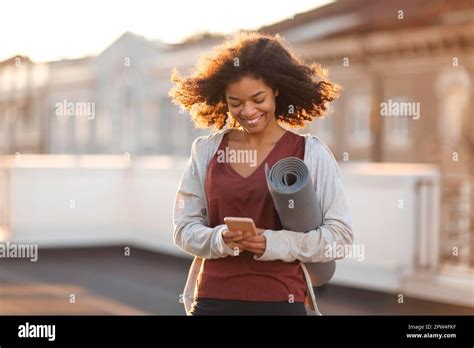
(252, 103)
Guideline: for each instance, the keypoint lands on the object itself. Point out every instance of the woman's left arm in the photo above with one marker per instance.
(335, 230)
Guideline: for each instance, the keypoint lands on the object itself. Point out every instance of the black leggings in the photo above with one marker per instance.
(211, 306)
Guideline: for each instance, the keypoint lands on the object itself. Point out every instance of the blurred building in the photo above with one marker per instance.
(23, 90)
(419, 52)
(115, 102)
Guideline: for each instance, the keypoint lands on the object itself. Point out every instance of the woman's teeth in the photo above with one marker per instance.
(255, 120)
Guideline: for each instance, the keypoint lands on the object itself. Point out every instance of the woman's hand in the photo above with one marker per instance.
(255, 244)
(232, 239)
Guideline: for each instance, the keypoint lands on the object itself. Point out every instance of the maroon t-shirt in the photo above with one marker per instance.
(230, 194)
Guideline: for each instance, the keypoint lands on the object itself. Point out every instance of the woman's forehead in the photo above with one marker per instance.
(246, 87)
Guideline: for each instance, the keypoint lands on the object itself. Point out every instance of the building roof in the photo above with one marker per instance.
(13, 59)
(361, 16)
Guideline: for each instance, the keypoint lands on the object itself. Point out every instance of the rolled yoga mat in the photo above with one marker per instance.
(289, 183)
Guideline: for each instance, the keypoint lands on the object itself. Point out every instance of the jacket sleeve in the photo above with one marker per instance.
(191, 232)
(326, 242)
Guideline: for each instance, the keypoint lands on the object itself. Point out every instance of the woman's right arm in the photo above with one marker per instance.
(189, 218)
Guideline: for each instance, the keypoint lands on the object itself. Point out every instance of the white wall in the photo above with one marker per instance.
(392, 220)
(63, 200)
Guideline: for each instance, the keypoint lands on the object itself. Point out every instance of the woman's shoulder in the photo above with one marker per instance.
(312, 141)
(317, 150)
(204, 145)
(207, 139)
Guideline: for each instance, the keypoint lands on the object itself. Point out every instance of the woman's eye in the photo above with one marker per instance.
(256, 101)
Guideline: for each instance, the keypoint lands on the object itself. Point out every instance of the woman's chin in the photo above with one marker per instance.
(253, 129)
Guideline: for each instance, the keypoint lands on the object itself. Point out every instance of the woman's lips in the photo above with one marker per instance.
(254, 121)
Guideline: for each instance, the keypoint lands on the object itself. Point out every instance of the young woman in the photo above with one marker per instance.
(256, 83)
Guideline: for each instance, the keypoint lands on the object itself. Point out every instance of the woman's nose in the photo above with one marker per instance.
(248, 111)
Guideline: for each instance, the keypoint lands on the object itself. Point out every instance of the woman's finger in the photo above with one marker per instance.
(233, 239)
(258, 246)
(229, 234)
(256, 239)
(238, 238)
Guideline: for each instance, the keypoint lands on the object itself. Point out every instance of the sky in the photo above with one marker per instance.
(47, 30)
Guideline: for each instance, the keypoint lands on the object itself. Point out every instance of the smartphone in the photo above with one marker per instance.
(241, 224)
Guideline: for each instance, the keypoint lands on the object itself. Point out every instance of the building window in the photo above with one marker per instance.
(358, 115)
(103, 136)
(7, 78)
(148, 129)
(2, 116)
(61, 134)
(164, 126)
(396, 128)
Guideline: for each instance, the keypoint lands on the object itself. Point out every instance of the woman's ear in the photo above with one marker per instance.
(276, 92)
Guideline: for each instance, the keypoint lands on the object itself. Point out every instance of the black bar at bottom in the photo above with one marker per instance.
(141, 330)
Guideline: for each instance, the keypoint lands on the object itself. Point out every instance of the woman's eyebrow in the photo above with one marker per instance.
(253, 96)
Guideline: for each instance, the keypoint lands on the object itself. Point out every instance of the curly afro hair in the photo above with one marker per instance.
(304, 91)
